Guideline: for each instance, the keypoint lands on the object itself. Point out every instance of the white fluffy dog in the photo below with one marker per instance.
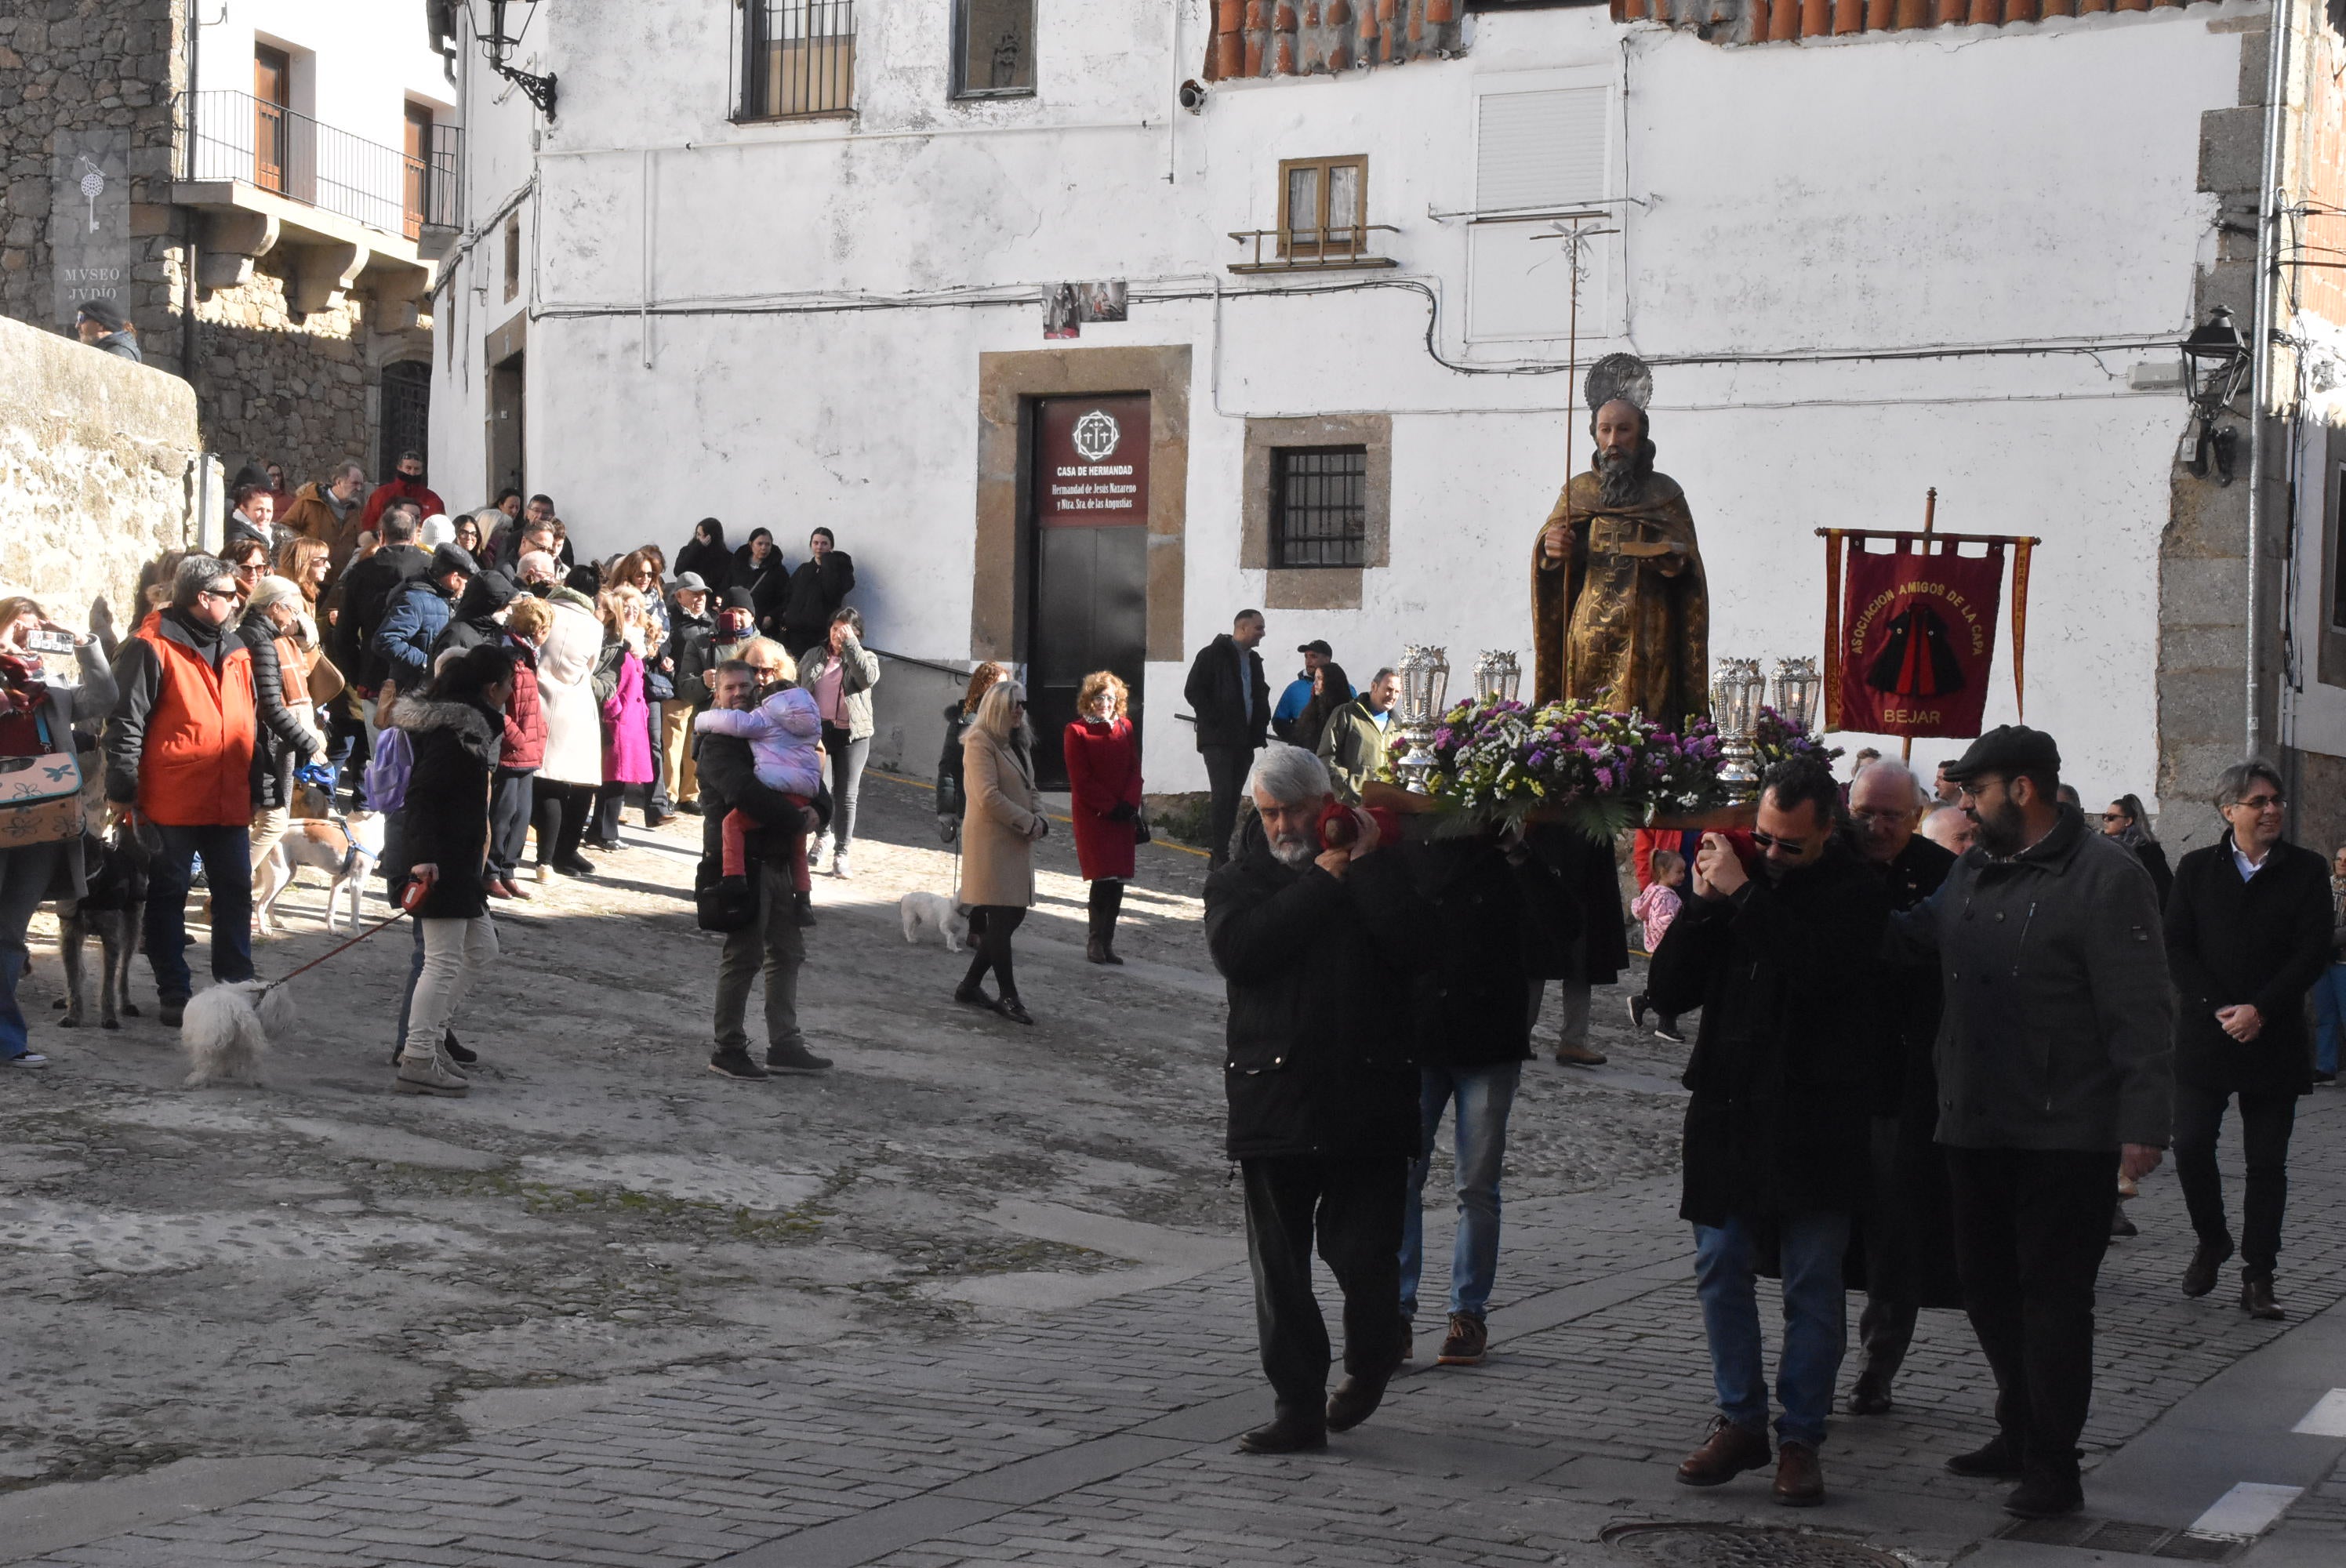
(225, 1030)
(345, 850)
(935, 912)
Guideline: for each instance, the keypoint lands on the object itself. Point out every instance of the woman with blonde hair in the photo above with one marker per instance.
(951, 799)
(1104, 778)
(284, 733)
(626, 725)
(999, 829)
(305, 563)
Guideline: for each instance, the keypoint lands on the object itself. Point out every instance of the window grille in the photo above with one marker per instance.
(1319, 505)
(798, 59)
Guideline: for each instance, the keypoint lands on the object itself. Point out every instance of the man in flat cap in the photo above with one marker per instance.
(2055, 1060)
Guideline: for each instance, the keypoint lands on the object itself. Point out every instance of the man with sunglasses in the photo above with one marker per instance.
(2053, 1059)
(2248, 934)
(179, 750)
(1777, 1133)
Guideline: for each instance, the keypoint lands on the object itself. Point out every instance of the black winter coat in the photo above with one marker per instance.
(279, 741)
(474, 620)
(1220, 702)
(366, 589)
(446, 820)
(1906, 990)
(2263, 942)
(768, 585)
(692, 645)
(1599, 949)
(1778, 1124)
(2055, 1030)
(1318, 1061)
(952, 798)
(816, 591)
(1470, 1010)
(712, 564)
(2154, 860)
(1918, 1262)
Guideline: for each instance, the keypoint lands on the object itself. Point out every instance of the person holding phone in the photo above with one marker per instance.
(37, 718)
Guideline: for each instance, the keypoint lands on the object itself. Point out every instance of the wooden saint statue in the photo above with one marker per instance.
(1620, 611)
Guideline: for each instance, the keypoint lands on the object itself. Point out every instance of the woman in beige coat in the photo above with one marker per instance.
(999, 828)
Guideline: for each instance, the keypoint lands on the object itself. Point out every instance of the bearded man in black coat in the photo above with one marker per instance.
(2248, 933)
(1316, 944)
(1777, 1133)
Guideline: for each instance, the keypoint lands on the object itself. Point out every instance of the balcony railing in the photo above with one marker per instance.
(1312, 249)
(236, 136)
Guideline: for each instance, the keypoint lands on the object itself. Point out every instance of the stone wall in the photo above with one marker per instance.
(71, 68)
(271, 384)
(98, 470)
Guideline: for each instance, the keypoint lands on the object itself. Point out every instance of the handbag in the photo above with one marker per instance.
(1141, 833)
(325, 681)
(721, 902)
(40, 795)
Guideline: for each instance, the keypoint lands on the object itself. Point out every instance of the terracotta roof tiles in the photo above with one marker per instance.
(1785, 21)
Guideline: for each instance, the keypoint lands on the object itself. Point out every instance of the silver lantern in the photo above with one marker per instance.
(1497, 677)
(1797, 687)
(1736, 690)
(1424, 674)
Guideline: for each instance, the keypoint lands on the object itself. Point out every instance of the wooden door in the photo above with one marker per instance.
(1090, 520)
(418, 185)
(272, 83)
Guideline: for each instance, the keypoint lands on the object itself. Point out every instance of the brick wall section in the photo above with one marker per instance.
(97, 460)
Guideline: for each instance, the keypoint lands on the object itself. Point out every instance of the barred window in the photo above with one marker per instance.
(798, 59)
(1319, 505)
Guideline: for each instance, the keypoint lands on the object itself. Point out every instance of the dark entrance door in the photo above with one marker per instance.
(1091, 559)
(406, 412)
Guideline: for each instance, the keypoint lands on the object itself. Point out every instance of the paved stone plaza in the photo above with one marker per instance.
(979, 1296)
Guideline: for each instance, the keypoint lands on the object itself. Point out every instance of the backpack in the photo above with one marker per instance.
(385, 787)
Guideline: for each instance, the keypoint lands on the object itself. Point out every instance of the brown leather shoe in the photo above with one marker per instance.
(1578, 1057)
(1799, 1482)
(1726, 1453)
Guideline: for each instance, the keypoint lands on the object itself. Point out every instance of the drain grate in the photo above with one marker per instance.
(2132, 1540)
(1741, 1546)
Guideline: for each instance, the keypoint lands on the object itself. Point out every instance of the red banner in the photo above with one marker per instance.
(1918, 638)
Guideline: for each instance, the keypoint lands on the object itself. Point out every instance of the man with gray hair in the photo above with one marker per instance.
(1908, 1233)
(327, 511)
(178, 755)
(1356, 744)
(1314, 925)
(2248, 933)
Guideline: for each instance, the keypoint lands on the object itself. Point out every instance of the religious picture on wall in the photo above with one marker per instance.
(1063, 312)
(1104, 300)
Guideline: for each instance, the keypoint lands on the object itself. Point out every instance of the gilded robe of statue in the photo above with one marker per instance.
(1623, 622)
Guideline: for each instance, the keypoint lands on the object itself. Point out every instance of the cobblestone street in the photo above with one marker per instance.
(977, 1295)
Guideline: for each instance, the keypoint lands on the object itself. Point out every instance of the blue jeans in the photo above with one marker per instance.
(513, 796)
(1816, 1326)
(2329, 1015)
(1485, 1096)
(26, 872)
(227, 872)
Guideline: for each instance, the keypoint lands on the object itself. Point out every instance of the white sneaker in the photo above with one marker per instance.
(838, 866)
(818, 849)
(28, 1059)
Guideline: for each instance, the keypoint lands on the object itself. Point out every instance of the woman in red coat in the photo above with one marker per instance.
(1104, 776)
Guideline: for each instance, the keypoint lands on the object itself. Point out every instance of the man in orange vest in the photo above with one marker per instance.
(178, 752)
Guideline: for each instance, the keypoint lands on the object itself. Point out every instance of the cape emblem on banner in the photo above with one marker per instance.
(1909, 631)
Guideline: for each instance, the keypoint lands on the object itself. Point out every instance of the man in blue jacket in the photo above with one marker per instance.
(416, 615)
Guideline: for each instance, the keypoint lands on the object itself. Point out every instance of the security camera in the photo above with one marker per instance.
(1193, 97)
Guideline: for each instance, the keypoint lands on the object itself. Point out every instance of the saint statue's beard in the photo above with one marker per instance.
(1622, 475)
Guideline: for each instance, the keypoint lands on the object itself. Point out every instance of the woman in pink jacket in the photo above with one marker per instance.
(627, 715)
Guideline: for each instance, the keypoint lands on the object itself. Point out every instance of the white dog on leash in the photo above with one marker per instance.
(226, 1029)
(935, 912)
(345, 849)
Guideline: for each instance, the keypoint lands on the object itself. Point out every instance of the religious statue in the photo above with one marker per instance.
(1620, 611)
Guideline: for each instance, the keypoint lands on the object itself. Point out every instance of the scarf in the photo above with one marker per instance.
(2132, 836)
(23, 691)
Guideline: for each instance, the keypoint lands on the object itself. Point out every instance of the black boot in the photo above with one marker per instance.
(1115, 906)
(1288, 1431)
(1870, 1396)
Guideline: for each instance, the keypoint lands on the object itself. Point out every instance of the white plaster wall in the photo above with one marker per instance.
(370, 57)
(1963, 186)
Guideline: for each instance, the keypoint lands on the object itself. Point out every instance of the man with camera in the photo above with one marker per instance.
(1777, 1133)
(1313, 923)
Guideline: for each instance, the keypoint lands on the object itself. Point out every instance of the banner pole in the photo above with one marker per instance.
(1929, 507)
